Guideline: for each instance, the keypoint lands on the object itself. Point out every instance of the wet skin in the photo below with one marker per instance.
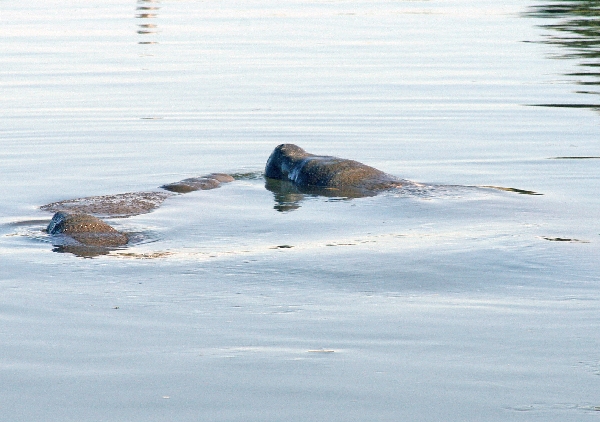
(207, 182)
(76, 230)
(341, 176)
(135, 203)
(84, 234)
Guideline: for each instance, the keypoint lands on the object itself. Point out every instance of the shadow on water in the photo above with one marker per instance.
(147, 10)
(575, 28)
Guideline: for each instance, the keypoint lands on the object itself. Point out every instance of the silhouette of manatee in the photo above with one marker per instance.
(325, 175)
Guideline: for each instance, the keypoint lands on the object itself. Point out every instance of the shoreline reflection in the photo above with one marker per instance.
(147, 9)
(576, 32)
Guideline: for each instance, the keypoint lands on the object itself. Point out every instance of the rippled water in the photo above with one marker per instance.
(472, 297)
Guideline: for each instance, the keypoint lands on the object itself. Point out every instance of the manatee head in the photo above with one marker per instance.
(283, 160)
(86, 230)
(57, 224)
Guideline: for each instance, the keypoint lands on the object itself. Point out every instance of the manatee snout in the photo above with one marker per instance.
(86, 230)
(283, 160)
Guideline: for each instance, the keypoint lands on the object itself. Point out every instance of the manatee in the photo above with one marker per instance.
(120, 205)
(86, 230)
(135, 203)
(318, 174)
(210, 181)
(78, 229)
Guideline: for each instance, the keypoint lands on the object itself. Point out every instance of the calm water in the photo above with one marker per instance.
(449, 303)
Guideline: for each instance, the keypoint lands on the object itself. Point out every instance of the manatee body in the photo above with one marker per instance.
(86, 230)
(135, 203)
(119, 205)
(210, 181)
(348, 177)
(77, 230)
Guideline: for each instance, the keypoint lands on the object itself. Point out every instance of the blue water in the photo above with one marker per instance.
(456, 302)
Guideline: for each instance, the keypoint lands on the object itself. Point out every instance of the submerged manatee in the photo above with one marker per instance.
(78, 230)
(119, 205)
(313, 172)
(86, 230)
(210, 181)
(135, 203)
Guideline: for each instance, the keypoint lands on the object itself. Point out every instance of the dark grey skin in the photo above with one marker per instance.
(319, 173)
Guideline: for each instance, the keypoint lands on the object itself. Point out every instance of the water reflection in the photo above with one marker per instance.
(576, 31)
(83, 251)
(288, 196)
(147, 9)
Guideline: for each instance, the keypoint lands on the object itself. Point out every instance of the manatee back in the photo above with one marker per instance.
(338, 173)
(290, 162)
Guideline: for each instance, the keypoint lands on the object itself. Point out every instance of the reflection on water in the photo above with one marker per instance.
(564, 239)
(83, 251)
(577, 32)
(147, 9)
(575, 158)
(288, 195)
(515, 190)
(65, 244)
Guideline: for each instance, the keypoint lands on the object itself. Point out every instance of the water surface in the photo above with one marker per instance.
(250, 302)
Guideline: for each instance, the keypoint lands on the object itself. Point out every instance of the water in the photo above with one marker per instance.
(453, 302)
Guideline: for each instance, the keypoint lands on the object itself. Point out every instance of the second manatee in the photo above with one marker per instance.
(86, 230)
